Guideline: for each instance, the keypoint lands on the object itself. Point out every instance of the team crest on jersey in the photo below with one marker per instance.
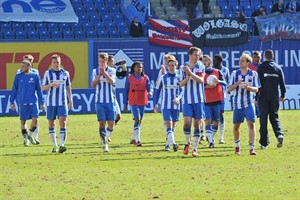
(31, 80)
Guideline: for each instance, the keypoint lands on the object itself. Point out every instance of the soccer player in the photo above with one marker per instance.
(213, 99)
(170, 101)
(244, 83)
(192, 78)
(57, 82)
(217, 62)
(123, 73)
(27, 91)
(256, 60)
(164, 68)
(137, 90)
(30, 58)
(104, 78)
(271, 77)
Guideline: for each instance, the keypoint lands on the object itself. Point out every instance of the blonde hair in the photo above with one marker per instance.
(29, 58)
(247, 57)
(103, 56)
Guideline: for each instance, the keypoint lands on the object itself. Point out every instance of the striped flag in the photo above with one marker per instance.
(172, 33)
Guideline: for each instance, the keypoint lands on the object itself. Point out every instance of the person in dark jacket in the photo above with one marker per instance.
(292, 7)
(278, 7)
(136, 28)
(271, 76)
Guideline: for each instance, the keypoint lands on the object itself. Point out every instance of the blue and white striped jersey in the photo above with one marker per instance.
(57, 96)
(243, 98)
(104, 90)
(193, 91)
(169, 84)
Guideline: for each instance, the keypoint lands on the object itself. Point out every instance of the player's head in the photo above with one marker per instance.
(25, 66)
(207, 61)
(172, 65)
(55, 60)
(245, 61)
(137, 68)
(29, 58)
(269, 54)
(194, 54)
(102, 60)
(256, 57)
(168, 57)
(111, 61)
(218, 59)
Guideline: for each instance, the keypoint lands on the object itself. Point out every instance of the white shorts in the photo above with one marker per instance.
(117, 108)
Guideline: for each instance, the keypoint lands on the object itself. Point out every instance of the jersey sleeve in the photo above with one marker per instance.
(46, 80)
(68, 81)
(39, 91)
(158, 90)
(113, 74)
(149, 85)
(14, 90)
(232, 78)
(181, 74)
(256, 82)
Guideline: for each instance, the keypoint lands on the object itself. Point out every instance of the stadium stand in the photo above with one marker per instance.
(97, 19)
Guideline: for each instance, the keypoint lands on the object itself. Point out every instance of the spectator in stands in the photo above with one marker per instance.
(191, 8)
(205, 6)
(136, 29)
(278, 7)
(178, 3)
(240, 15)
(292, 7)
(260, 12)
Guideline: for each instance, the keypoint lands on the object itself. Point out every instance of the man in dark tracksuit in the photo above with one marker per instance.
(271, 76)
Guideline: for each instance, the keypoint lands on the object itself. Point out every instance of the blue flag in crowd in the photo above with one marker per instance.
(135, 8)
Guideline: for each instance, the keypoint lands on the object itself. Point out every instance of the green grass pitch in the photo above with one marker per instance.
(148, 172)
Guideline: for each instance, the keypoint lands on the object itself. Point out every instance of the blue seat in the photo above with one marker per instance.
(98, 1)
(118, 21)
(68, 35)
(63, 26)
(5, 27)
(29, 27)
(91, 34)
(102, 34)
(9, 35)
(21, 35)
(244, 3)
(232, 3)
(122, 28)
(79, 34)
(52, 26)
(124, 33)
(229, 15)
(94, 18)
(98, 26)
(75, 27)
(110, 29)
(56, 35)
(109, 1)
(83, 18)
(33, 35)
(237, 8)
(90, 9)
(44, 35)
(110, 25)
(40, 26)
(114, 34)
(87, 26)
(17, 26)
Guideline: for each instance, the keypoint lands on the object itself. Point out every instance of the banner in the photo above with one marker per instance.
(173, 33)
(84, 101)
(135, 8)
(213, 32)
(278, 26)
(37, 11)
(74, 58)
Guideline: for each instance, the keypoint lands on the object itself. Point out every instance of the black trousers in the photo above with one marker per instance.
(268, 108)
